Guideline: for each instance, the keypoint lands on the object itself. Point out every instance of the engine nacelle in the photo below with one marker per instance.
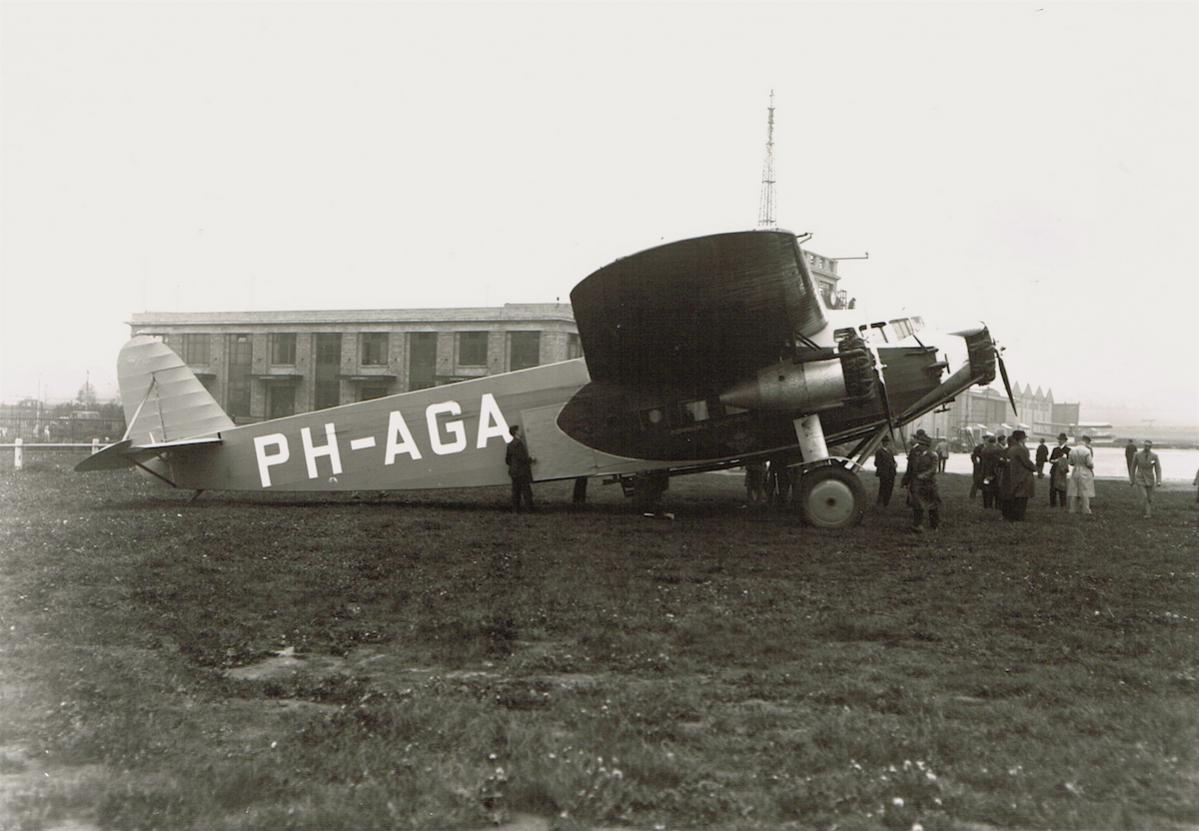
(807, 387)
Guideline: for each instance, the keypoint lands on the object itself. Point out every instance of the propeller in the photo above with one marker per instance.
(1007, 385)
(882, 393)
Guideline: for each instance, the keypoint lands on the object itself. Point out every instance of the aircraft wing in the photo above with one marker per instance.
(708, 311)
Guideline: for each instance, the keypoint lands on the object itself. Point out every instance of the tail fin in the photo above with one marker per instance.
(164, 401)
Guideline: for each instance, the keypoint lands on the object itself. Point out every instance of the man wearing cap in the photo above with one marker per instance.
(1059, 471)
(921, 479)
(1019, 482)
(1146, 474)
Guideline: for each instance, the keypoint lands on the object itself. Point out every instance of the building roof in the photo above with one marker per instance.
(514, 312)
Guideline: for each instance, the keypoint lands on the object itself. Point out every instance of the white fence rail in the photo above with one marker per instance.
(19, 446)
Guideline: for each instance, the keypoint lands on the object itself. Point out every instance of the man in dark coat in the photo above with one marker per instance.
(990, 464)
(976, 463)
(520, 470)
(1042, 458)
(921, 481)
(1019, 482)
(1130, 451)
(1059, 471)
(884, 469)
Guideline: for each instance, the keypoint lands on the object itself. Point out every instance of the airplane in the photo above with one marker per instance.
(702, 354)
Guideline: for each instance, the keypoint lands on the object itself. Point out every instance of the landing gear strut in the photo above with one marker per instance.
(829, 494)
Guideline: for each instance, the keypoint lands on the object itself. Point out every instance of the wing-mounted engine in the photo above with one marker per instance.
(814, 381)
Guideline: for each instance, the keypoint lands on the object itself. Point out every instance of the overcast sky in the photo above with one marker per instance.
(1033, 165)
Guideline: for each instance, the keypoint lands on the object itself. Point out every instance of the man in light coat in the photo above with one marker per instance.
(1146, 474)
(1080, 489)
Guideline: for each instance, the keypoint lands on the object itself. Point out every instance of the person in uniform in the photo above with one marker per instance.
(520, 470)
(885, 469)
(1146, 475)
(921, 481)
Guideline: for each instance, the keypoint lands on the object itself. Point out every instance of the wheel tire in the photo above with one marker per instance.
(831, 497)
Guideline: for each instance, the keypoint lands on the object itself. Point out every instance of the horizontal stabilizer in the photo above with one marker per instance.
(127, 454)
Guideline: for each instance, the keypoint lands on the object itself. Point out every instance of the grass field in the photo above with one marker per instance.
(431, 661)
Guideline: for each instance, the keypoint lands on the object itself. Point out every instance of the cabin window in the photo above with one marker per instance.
(283, 349)
(373, 349)
(693, 411)
(652, 419)
(472, 349)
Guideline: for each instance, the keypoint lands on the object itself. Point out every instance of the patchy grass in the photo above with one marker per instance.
(447, 664)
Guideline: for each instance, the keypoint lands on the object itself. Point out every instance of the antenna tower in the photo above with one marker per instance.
(767, 203)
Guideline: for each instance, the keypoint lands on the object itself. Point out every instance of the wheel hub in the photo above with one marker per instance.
(830, 502)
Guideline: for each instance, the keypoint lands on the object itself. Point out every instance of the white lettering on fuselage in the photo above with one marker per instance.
(446, 437)
(265, 460)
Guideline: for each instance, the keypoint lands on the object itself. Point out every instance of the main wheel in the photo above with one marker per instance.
(831, 497)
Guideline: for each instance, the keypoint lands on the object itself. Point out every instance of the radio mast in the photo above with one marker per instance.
(767, 203)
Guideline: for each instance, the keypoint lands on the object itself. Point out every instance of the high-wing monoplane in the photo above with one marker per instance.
(699, 355)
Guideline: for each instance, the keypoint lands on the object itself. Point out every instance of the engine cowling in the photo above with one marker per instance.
(805, 386)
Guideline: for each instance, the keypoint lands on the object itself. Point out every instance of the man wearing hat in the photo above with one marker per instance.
(884, 469)
(1146, 474)
(921, 481)
(1059, 471)
(1019, 483)
(990, 462)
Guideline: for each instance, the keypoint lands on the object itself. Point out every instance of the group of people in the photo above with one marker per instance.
(1005, 473)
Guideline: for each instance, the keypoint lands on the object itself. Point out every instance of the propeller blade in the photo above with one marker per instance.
(1006, 384)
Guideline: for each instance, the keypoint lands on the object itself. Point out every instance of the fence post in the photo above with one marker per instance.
(95, 445)
(17, 455)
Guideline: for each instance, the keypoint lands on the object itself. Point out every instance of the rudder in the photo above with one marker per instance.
(163, 399)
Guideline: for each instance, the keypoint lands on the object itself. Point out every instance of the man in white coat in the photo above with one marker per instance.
(1080, 488)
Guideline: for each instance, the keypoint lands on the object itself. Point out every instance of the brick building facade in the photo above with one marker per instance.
(260, 365)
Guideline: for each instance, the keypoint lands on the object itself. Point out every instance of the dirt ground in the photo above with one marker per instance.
(429, 660)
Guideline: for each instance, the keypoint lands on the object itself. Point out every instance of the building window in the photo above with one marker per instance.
(195, 349)
(472, 349)
(374, 349)
(282, 401)
(240, 356)
(328, 349)
(524, 350)
(370, 391)
(574, 347)
(283, 349)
